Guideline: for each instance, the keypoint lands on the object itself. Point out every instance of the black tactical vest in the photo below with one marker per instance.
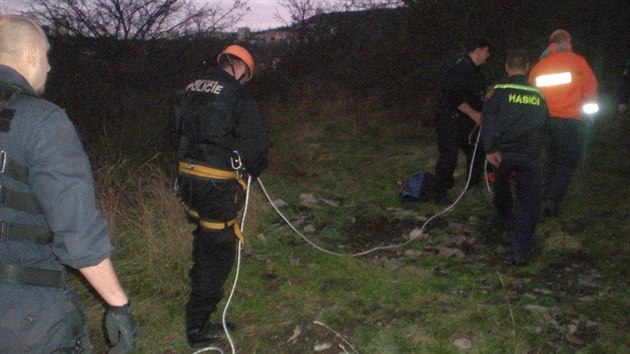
(10, 198)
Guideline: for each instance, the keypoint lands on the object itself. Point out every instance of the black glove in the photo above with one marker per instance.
(121, 329)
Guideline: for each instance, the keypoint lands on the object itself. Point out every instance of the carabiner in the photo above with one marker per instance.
(237, 164)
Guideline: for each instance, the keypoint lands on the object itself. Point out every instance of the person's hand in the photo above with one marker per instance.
(476, 116)
(494, 158)
(121, 329)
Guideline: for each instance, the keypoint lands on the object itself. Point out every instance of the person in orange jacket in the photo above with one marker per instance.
(570, 88)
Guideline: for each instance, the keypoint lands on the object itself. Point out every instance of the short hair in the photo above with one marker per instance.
(517, 59)
(559, 36)
(475, 43)
(16, 31)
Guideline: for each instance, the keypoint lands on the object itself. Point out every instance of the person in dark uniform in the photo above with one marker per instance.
(222, 141)
(48, 216)
(514, 118)
(458, 113)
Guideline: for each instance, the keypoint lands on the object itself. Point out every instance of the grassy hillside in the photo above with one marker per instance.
(451, 288)
(346, 117)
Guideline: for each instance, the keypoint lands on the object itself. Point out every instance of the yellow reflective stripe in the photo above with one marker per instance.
(516, 87)
(554, 79)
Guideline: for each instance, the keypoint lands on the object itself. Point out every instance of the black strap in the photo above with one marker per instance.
(7, 91)
(11, 168)
(25, 233)
(14, 170)
(19, 201)
(32, 276)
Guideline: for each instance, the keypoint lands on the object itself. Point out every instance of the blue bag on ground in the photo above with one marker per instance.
(419, 187)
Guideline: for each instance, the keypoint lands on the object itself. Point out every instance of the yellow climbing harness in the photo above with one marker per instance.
(216, 225)
(199, 170)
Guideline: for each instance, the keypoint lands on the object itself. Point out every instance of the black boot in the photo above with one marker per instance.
(206, 334)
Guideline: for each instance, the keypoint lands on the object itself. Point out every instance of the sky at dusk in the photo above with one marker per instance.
(260, 17)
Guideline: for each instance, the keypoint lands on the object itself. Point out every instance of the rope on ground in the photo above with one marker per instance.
(338, 335)
(387, 247)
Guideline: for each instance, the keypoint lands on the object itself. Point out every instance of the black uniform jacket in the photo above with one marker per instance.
(215, 116)
(463, 83)
(513, 119)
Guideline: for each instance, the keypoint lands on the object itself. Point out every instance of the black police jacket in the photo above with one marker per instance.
(215, 116)
(463, 82)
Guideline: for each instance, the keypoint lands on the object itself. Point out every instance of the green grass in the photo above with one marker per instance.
(422, 305)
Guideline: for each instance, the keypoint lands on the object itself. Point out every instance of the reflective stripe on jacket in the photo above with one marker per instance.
(567, 82)
(513, 119)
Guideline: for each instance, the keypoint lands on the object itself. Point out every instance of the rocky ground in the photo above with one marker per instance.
(567, 284)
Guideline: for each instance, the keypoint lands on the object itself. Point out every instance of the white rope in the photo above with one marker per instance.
(236, 276)
(392, 246)
(338, 335)
(388, 247)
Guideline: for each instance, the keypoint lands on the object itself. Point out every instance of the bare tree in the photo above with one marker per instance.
(300, 11)
(135, 19)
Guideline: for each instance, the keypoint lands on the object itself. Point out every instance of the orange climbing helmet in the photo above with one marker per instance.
(242, 54)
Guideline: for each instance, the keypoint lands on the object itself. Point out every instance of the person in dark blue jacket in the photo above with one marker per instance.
(222, 141)
(48, 213)
(514, 117)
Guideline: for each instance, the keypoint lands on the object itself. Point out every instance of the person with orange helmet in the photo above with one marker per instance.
(570, 89)
(221, 141)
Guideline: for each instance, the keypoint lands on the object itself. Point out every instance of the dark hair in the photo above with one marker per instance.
(517, 59)
(475, 43)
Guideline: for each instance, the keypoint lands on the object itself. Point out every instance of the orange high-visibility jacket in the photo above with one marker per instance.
(567, 82)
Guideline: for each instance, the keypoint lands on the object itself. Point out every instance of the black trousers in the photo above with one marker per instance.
(454, 134)
(563, 155)
(213, 251)
(521, 207)
(213, 257)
